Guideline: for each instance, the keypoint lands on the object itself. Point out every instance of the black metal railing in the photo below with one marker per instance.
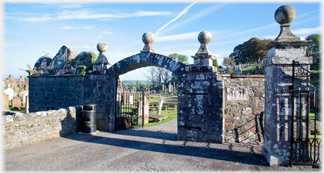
(305, 146)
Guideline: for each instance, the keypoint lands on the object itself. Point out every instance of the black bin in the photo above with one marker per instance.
(89, 118)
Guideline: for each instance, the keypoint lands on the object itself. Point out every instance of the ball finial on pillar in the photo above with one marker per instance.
(204, 37)
(284, 15)
(102, 47)
(203, 57)
(148, 39)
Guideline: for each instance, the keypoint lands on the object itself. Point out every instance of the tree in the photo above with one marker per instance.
(316, 42)
(166, 76)
(152, 77)
(228, 61)
(250, 51)
(215, 64)
(179, 58)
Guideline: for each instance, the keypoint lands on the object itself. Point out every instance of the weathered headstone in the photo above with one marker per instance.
(16, 89)
(5, 101)
(16, 103)
(238, 71)
(170, 88)
(163, 89)
(160, 107)
(23, 95)
(124, 98)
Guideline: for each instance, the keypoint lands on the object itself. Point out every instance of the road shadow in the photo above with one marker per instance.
(148, 134)
(192, 151)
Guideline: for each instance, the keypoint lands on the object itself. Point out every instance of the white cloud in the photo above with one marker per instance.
(14, 33)
(197, 15)
(87, 14)
(81, 27)
(66, 27)
(107, 32)
(270, 36)
(305, 14)
(185, 36)
(306, 30)
(71, 6)
(184, 11)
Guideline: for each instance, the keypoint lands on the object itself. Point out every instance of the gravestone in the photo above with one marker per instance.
(5, 100)
(16, 102)
(238, 71)
(170, 88)
(124, 98)
(163, 89)
(16, 89)
(23, 95)
(160, 107)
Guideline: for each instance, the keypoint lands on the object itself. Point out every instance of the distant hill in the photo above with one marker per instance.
(133, 82)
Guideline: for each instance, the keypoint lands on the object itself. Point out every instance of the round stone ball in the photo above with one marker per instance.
(285, 14)
(204, 37)
(102, 47)
(148, 37)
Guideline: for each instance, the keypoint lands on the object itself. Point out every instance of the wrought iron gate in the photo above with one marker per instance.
(305, 142)
(129, 107)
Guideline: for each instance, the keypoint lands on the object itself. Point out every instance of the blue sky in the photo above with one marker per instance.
(31, 28)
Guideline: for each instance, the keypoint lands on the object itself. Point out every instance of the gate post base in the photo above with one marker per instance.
(111, 125)
(275, 160)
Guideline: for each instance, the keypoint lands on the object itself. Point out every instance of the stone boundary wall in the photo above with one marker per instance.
(22, 129)
(55, 92)
(243, 108)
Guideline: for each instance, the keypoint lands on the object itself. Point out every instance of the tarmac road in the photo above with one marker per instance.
(152, 148)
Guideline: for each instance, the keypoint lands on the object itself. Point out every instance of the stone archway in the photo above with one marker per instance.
(199, 93)
(143, 59)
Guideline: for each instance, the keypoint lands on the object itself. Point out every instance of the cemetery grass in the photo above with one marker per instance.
(169, 95)
(171, 113)
(246, 70)
(315, 71)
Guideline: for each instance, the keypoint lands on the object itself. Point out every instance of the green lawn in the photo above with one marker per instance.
(315, 69)
(171, 112)
(246, 70)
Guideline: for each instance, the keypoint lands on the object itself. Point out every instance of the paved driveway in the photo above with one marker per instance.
(148, 149)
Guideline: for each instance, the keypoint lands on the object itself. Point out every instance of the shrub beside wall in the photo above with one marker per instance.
(22, 129)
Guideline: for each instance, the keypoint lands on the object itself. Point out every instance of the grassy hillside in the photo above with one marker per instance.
(133, 82)
(246, 70)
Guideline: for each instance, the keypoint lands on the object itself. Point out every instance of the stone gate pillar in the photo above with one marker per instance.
(278, 97)
(200, 98)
